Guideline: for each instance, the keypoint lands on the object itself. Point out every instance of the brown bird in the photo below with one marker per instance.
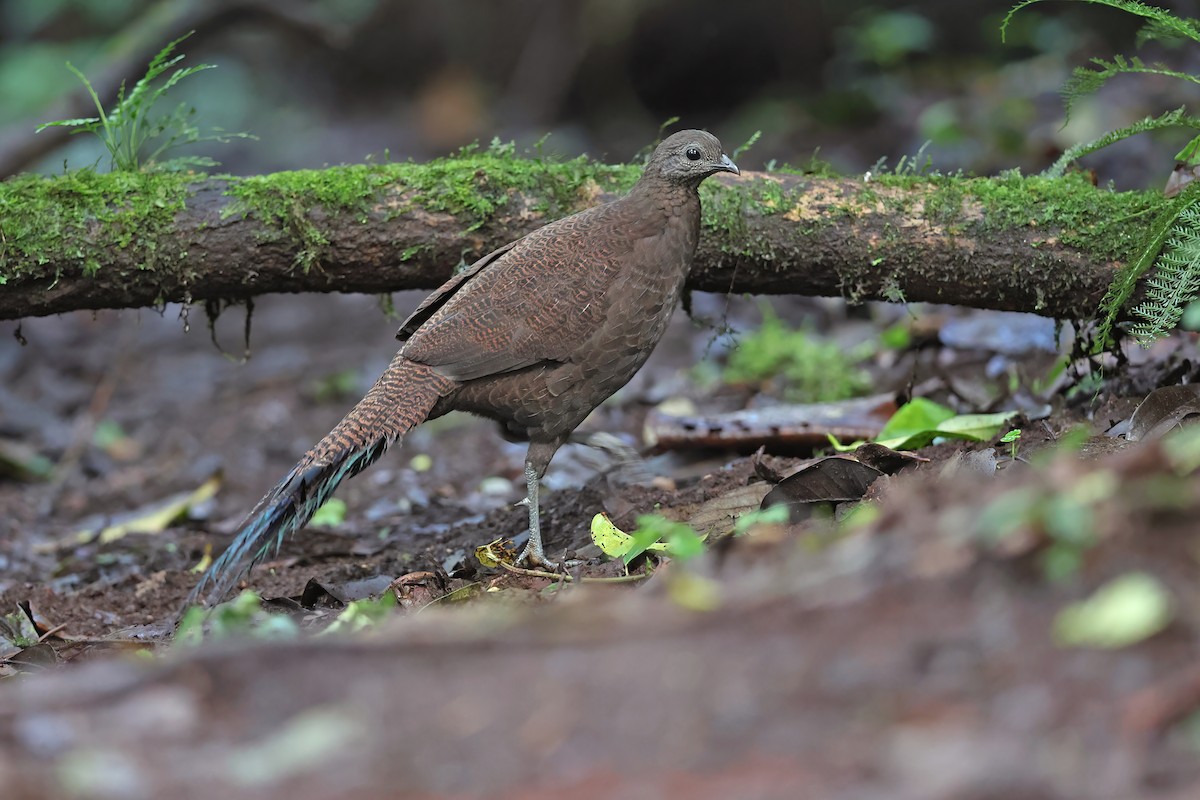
(534, 335)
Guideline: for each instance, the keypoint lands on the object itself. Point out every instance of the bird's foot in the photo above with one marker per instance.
(535, 558)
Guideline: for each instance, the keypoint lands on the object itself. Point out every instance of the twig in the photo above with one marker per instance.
(564, 576)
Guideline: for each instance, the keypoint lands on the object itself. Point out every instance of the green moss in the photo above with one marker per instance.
(944, 205)
(1095, 220)
(471, 184)
(726, 207)
(74, 220)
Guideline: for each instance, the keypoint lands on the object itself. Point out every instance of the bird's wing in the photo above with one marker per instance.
(538, 301)
(431, 304)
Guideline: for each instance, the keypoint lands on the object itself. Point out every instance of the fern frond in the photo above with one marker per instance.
(1156, 31)
(1121, 289)
(1086, 80)
(1162, 23)
(1176, 281)
(1179, 118)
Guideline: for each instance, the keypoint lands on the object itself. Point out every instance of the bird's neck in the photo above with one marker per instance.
(674, 198)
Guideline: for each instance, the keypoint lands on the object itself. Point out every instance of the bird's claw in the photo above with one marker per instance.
(535, 558)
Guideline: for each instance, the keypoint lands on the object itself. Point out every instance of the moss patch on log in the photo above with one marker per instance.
(1096, 221)
(472, 185)
(73, 221)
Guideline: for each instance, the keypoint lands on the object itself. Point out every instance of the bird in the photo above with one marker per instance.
(534, 335)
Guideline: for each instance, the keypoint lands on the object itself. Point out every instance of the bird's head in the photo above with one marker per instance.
(688, 157)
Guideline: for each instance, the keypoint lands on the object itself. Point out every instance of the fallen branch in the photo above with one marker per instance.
(84, 241)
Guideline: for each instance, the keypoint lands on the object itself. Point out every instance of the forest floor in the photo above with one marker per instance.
(926, 651)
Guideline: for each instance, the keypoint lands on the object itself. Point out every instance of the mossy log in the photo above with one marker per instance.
(89, 241)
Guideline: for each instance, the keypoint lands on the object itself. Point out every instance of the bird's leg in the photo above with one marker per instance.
(534, 554)
(536, 462)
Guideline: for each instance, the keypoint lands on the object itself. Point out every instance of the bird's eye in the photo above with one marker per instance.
(693, 153)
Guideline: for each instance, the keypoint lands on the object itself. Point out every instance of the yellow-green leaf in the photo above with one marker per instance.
(156, 517)
(1124, 611)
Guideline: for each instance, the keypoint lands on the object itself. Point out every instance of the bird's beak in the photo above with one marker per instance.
(727, 165)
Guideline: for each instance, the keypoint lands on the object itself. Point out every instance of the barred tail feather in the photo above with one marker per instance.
(401, 399)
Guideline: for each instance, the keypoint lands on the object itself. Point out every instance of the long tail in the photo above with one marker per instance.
(401, 399)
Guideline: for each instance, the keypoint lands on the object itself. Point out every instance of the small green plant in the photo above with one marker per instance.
(331, 514)
(135, 138)
(775, 515)
(753, 140)
(1013, 440)
(363, 614)
(1174, 246)
(1068, 518)
(677, 540)
(812, 370)
(242, 616)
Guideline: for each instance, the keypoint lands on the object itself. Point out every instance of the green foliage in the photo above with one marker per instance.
(886, 38)
(363, 614)
(1121, 289)
(1126, 610)
(1068, 518)
(753, 140)
(682, 542)
(73, 220)
(677, 540)
(1012, 438)
(775, 515)
(921, 421)
(134, 137)
(1085, 81)
(242, 616)
(331, 514)
(1174, 246)
(917, 165)
(1160, 24)
(1170, 119)
(813, 370)
(474, 183)
(1176, 279)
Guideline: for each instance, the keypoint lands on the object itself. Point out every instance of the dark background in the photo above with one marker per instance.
(340, 80)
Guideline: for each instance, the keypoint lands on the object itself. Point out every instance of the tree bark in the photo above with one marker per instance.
(1019, 244)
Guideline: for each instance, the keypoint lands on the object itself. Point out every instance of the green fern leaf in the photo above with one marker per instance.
(1156, 31)
(1162, 24)
(1171, 119)
(1087, 80)
(1176, 281)
(1121, 289)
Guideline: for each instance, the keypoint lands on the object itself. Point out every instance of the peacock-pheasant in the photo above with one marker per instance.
(534, 335)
